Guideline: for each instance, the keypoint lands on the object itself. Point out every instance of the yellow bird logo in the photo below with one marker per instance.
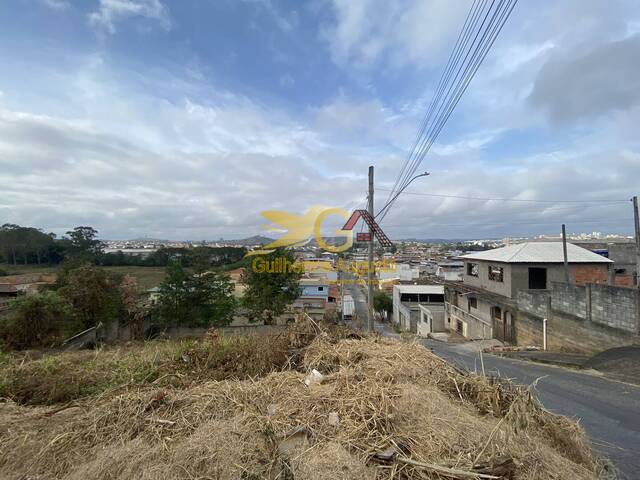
(300, 228)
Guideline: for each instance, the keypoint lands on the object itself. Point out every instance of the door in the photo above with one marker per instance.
(498, 323)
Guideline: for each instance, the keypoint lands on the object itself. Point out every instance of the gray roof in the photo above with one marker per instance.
(427, 289)
(538, 252)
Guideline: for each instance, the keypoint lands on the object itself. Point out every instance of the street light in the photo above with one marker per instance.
(424, 174)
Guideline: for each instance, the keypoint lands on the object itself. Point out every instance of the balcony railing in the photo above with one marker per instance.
(469, 317)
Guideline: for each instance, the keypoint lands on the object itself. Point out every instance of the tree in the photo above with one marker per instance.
(211, 295)
(37, 320)
(28, 244)
(271, 289)
(204, 299)
(84, 243)
(93, 293)
(382, 302)
(9, 242)
(173, 306)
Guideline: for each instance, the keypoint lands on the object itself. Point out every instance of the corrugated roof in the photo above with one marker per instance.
(538, 252)
(434, 289)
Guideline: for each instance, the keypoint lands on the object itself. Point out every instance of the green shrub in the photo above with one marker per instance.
(39, 320)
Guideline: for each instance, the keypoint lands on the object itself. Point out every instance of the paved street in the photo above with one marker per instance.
(608, 410)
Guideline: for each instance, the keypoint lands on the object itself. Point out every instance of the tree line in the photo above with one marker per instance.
(32, 246)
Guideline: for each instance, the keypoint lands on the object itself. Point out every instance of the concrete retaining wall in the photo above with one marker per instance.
(587, 318)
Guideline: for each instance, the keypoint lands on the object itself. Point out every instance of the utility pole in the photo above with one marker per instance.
(567, 277)
(370, 266)
(636, 222)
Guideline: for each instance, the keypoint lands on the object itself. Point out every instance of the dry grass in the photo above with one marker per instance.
(68, 376)
(441, 422)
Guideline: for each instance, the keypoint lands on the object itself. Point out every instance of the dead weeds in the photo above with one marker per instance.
(384, 409)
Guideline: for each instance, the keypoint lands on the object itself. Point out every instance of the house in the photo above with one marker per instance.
(27, 284)
(450, 270)
(313, 299)
(483, 305)
(235, 276)
(622, 253)
(320, 268)
(397, 273)
(418, 308)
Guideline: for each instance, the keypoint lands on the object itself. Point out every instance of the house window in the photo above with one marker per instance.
(472, 303)
(537, 278)
(472, 269)
(320, 289)
(496, 274)
(496, 312)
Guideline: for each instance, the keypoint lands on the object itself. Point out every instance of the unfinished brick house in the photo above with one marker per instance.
(483, 304)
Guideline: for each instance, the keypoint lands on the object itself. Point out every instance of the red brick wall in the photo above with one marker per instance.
(590, 273)
(624, 280)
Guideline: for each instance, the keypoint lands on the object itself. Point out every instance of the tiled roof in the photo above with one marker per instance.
(538, 252)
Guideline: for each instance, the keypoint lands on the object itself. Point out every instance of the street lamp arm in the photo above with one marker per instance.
(388, 204)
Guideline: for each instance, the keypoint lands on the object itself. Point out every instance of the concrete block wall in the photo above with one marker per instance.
(533, 301)
(616, 307)
(569, 299)
(569, 334)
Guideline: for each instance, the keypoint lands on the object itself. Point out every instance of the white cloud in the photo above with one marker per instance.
(365, 32)
(112, 11)
(57, 4)
(370, 120)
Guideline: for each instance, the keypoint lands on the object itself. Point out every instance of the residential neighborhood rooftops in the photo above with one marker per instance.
(538, 252)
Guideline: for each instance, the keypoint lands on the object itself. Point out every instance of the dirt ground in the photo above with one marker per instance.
(620, 363)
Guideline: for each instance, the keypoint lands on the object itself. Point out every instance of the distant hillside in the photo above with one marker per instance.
(254, 240)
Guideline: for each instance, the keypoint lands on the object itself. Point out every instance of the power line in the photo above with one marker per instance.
(507, 223)
(466, 69)
(425, 140)
(461, 43)
(437, 195)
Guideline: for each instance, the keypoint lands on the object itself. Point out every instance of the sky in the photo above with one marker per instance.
(184, 119)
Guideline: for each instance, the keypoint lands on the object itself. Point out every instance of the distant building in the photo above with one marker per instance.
(418, 308)
(313, 299)
(135, 252)
(450, 270)
(623, 255)
(27, 284)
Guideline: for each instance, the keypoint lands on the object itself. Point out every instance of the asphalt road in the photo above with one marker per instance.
(608, 410)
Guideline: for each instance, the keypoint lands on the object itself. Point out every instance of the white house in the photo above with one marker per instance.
(409, 302)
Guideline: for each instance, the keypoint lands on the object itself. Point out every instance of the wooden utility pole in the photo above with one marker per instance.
(636, 223)
(567, 277)
(370, 266)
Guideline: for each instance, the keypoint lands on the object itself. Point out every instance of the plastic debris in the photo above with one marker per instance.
(314, 378)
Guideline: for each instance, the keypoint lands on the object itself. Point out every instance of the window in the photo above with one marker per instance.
(496, 274)
(537, 278)
(321, 289)
(472, 269)
(472, 303)
(496, 312)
